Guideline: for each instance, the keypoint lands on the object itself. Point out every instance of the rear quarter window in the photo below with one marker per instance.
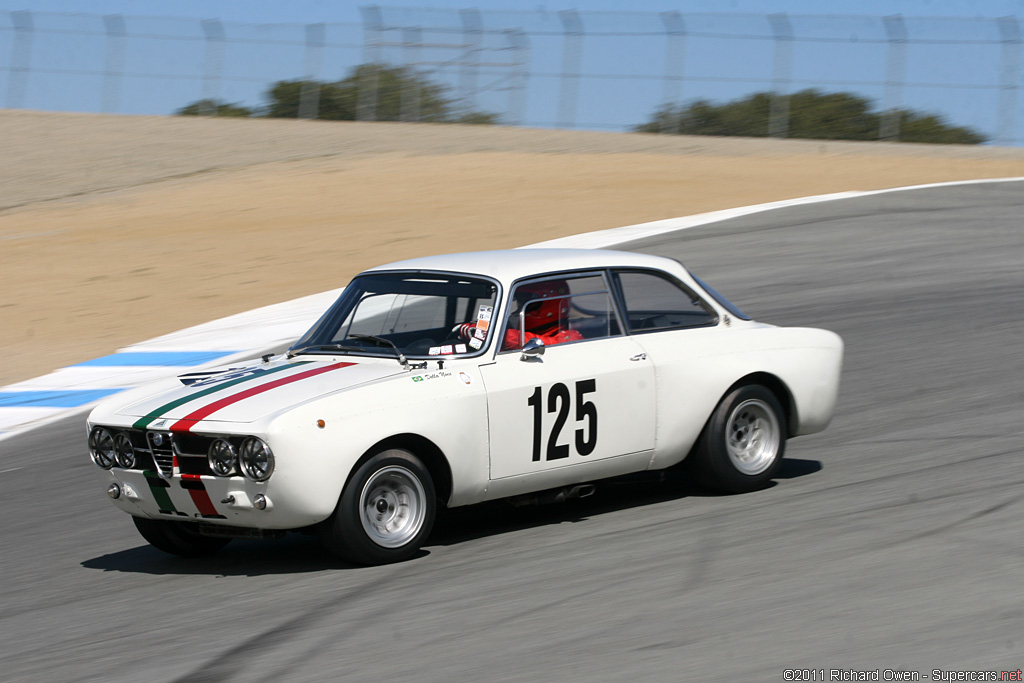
(654, 301)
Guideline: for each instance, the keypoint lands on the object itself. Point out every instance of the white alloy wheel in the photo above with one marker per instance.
(752, 436)
(392, 506)
(743, 442)
(385, 512)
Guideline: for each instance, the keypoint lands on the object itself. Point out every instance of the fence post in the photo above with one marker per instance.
(782, 75)
(895, 75)
(572, 63)
(412, 42)
(366, 99)
(675, 59)
(213, 66)
(309, 96)
(1009, 79)
(21, 59)
(472, 36)
(517, 88)
(113, 66)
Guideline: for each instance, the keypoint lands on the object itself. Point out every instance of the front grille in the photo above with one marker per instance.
(163, 453)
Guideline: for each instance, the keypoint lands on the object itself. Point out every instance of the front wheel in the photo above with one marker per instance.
(177, 538)
(742, 445)
(385, 512)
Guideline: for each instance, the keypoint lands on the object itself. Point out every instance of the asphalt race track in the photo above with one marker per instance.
(891, 541)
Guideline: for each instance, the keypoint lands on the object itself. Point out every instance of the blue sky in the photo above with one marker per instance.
(306, 11)
(964, 79)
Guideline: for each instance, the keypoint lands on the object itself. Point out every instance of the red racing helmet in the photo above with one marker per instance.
(546, 314)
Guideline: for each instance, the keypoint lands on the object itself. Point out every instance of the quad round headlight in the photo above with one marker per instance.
(256, 459)
(222, 457)
(101, 447)
(124, 452)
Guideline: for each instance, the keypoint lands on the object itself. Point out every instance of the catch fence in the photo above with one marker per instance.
(568, 69)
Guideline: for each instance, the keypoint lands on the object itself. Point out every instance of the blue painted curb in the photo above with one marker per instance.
(71, 398)
(134, 358)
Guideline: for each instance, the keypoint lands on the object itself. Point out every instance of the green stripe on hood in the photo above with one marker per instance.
(145, 421)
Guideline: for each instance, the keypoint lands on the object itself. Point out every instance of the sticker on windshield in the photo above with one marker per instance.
(483, 320)
(475, 343)
(446, 350)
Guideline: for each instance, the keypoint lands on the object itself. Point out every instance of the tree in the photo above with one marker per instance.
(392, 93)
(812, 114)
(389, 91)
(207, 107)
(916, 127)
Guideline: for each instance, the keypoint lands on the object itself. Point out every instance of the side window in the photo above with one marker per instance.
(655, 302)
(559, 310)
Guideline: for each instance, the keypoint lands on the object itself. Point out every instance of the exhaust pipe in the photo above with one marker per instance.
(554, 495)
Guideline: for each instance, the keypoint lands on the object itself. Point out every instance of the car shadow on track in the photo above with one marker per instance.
(612, 495)
(294, 554)
(300, 554)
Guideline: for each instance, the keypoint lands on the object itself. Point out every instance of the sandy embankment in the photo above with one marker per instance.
(117, 229)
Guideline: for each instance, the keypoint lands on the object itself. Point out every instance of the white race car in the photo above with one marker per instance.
(451, 380)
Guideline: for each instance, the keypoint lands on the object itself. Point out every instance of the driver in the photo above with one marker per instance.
(547, 320)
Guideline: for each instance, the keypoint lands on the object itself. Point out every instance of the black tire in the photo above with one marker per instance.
(743, 443)
(385, 512)
(177, 538)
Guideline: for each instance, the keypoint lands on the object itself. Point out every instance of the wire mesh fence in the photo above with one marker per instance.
(599, 70)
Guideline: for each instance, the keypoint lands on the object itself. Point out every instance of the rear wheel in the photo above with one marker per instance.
(385, 512)
(742, 444)
(177, 538)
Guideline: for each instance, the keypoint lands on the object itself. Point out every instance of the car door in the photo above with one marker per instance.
(589, 397)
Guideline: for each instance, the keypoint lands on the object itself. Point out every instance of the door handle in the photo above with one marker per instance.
(639, 356)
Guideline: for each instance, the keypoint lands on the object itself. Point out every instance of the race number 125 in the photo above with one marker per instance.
(558, 402)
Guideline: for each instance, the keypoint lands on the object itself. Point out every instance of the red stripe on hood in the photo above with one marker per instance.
(186, 423)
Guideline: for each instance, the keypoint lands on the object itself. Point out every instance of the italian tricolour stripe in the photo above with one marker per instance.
(186, 423)
(145, 421)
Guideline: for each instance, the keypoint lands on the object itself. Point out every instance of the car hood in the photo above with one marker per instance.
(246, 394)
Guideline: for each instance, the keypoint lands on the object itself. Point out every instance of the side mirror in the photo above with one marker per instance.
(533, 350)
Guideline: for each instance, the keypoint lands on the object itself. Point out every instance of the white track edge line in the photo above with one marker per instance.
(615, 236)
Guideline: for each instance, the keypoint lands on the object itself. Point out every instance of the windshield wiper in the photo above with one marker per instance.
(381, 341)
(322, 347)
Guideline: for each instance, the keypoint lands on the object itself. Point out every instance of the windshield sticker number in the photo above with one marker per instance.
(558, 402)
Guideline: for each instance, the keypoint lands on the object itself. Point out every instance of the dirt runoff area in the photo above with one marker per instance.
(116, 229)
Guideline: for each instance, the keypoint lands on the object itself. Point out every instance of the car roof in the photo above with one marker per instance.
(512, 264)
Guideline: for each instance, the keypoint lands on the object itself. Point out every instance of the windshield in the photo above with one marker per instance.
(421, 314)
